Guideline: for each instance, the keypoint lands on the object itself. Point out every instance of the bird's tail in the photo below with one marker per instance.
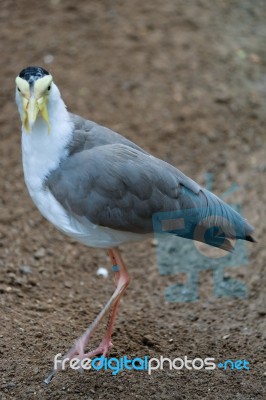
(206, 218)
(220, 223)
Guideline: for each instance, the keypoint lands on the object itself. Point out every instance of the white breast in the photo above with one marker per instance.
(41, 153)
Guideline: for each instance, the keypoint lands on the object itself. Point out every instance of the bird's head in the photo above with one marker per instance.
(34, 86)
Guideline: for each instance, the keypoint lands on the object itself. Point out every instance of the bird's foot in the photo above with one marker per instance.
(77, 352)
(102, 349)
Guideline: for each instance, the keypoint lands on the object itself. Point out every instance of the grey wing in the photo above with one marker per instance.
(119, 187)
(89, 134)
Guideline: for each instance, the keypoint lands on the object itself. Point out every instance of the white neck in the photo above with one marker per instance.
(41, 150)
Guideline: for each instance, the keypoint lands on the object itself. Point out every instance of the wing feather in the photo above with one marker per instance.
(118, 187)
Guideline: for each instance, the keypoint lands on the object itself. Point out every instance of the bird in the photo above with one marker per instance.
(100, 188)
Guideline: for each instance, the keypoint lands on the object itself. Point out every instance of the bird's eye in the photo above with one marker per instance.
(49, 87)
(19, 89)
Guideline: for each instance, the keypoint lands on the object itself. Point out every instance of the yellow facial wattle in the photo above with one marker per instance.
(42, 105)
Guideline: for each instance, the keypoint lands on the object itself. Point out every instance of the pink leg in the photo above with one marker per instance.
(78, 350)
(120, 275)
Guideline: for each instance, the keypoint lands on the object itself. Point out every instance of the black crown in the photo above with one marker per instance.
(31, 74)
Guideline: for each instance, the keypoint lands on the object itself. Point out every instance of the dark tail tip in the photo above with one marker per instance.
(250, 239)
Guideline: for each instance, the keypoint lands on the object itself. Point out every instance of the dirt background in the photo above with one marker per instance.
(186, 80)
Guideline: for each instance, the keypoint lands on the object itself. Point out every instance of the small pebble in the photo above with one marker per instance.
(226, 337)
(25, 269)
(192, 318)
(148, 340)
(101, 271)
(39, 253)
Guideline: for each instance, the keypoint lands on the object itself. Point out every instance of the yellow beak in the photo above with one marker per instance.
(31, 109)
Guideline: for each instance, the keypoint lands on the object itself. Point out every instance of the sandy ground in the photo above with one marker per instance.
(186, 81)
